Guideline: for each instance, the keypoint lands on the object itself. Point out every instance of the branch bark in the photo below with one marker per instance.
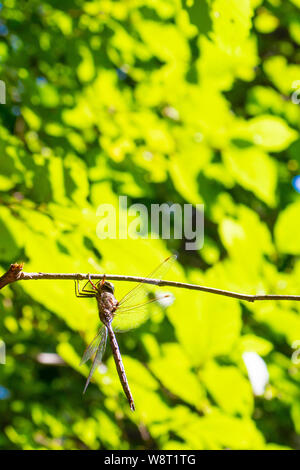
(12, 275)
(15, 273)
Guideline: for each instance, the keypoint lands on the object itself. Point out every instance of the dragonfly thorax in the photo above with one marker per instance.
(106, 287)
(107, 304)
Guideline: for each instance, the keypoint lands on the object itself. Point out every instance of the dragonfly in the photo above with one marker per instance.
(109, 308)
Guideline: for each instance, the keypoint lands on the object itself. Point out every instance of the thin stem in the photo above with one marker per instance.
(15, 274)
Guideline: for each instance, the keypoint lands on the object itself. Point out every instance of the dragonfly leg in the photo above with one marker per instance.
(87, 290)
(91, 282)
(81, 294)
(101, 280)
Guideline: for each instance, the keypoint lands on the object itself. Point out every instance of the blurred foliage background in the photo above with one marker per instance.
(163, 101)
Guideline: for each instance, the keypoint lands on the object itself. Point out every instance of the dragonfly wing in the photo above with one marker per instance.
(92, 347)
(99, 354)
(133, 316)
(135, 295)
(102, 346)
(143, 306)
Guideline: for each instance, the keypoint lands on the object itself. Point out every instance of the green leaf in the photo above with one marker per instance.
(85, 69)
(180, 379)
(252, 343)
(254, 170)
(271, 133)
(286, 229)
(229, 388)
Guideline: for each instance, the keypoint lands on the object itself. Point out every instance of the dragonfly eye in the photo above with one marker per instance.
(108, 287)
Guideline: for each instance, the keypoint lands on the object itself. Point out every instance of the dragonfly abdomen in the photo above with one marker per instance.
(120, 367)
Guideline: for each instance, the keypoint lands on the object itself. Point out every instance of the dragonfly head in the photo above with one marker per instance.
(107, 287)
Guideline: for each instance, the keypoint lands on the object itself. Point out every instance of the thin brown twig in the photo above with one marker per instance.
(15, 274)
(12, 275)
